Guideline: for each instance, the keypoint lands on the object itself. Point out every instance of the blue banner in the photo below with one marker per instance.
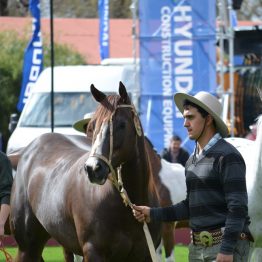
(33, 57)
(103, 10)
(177, 54)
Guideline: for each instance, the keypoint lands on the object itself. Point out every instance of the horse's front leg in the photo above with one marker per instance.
(78, 258)
(68, 255)
(90, 254)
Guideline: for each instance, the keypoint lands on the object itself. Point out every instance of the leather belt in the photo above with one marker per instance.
(207, 238)
(210, 238)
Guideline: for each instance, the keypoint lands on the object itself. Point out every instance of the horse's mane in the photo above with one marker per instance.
(104, 111)
(151, 144)
(154, 178)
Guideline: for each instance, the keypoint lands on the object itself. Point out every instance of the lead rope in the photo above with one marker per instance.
(116, 179)
(127, 202)
(8, 257)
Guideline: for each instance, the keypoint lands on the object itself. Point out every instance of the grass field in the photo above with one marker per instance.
(55, 254)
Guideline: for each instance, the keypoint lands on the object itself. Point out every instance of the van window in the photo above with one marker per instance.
(68, 108)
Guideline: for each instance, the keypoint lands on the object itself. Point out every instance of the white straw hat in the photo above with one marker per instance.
(209, 103)
(81, 124)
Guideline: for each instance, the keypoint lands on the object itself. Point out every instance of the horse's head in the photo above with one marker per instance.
(116, 129)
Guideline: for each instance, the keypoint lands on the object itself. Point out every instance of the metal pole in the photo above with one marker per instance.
(52, 65)
(221, 47)
(231, 69)
(133, 8)
(226, 32)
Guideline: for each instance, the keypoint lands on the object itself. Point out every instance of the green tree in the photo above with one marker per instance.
(69, 8)
(11, 66)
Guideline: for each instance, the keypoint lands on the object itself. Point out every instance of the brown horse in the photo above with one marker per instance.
(52, 196)
(163, 191)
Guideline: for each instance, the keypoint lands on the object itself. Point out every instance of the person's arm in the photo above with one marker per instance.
(6, 180)
(234, 185)
(176, 212)
(166, 214)
(141, 213)
(4, 213)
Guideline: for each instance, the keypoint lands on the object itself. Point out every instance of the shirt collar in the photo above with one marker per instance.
(212, 142)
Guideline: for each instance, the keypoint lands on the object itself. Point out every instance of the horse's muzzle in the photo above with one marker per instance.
(97, 170)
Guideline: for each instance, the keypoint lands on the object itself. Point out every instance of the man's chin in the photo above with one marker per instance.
(191, 137)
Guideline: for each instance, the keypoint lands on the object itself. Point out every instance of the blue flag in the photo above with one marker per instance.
(33, 57)
(177, 54)
(103, 9)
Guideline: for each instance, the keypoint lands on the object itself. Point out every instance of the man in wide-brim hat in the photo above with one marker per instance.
(81, 124)
(216, 202)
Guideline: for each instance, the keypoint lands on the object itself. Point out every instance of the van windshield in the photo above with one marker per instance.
(68, 108)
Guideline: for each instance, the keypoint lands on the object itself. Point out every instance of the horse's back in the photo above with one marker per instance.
(46, 172)
(173, 177)
(246, 149)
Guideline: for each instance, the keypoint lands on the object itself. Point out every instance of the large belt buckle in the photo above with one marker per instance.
(206, 238)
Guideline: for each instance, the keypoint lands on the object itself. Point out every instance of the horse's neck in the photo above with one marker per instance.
(137, 171)
(136, 177)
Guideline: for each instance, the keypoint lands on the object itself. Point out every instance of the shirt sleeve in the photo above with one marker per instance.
(6, 179)
(172, 213)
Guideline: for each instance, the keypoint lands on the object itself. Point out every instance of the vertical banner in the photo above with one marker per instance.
(177, 54)
(33, 57)
(103, 10)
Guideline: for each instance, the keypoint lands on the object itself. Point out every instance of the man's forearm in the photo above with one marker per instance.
(4, 213)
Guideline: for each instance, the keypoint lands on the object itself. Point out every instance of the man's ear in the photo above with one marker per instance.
(210, 120)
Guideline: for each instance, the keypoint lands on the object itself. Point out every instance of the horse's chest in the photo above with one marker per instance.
(121, 244)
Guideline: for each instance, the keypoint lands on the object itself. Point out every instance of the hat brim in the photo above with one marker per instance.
(220, 124)
(81, 124)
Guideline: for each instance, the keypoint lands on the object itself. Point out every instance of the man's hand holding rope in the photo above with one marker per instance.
(141, 213)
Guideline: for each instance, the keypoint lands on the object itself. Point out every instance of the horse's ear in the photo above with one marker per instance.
(98, 95)
(123, 94)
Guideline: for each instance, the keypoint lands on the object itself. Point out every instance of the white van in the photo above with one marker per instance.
(72, 99)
